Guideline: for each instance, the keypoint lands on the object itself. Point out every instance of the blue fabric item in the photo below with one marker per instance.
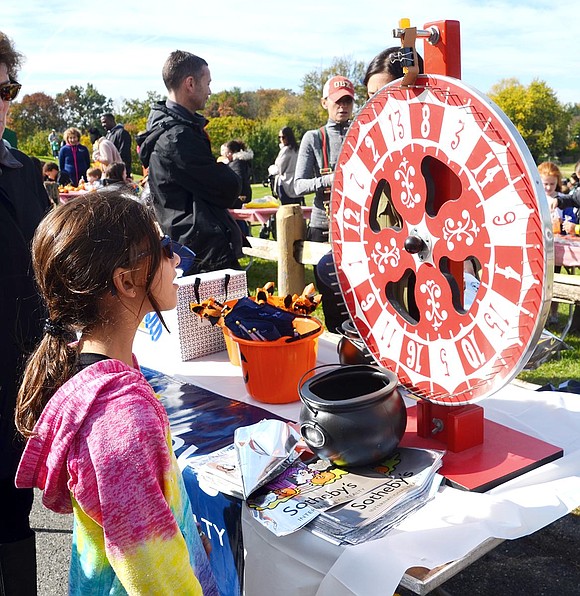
(253, 321)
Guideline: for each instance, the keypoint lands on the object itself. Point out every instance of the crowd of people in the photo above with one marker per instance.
(78, 280)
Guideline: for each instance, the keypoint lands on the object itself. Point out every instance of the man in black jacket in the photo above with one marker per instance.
(121, 138)
(191, 191)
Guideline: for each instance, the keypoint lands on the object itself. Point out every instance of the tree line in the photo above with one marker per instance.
(551, 129)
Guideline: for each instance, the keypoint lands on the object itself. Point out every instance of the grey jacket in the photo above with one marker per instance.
(308, 178)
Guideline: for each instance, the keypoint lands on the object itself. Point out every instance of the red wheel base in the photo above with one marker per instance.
(458, 427)
(505, 454)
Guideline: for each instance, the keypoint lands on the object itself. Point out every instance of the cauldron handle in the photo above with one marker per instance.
(311, 371)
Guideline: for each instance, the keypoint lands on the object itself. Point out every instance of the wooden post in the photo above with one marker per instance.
(290, 227)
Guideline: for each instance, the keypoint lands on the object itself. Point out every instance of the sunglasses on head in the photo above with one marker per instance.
(9, 91)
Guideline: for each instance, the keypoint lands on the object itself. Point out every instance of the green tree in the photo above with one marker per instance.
(224, 129)
(262, 101)
(137, 110)
(36, 112)
(263, 140)
(536, 112)
(82, 107)
(574, 137)
(228, 103)
(36, 144)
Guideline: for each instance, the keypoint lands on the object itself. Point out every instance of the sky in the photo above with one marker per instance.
(120, 47)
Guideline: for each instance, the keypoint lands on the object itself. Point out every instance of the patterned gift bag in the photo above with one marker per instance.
(190, 336)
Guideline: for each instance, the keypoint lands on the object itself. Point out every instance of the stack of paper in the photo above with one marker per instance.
(345, 506)
(342, 506)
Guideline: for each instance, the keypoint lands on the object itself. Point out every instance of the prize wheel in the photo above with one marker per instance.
(433, 179)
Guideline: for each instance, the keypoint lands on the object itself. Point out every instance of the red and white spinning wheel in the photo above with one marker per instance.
(460, 185)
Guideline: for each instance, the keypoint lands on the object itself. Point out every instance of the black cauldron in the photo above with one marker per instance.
(352, 415)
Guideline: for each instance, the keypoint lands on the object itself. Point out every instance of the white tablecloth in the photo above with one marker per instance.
(447, 528)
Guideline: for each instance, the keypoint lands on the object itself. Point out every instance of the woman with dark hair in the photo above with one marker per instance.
(385, 67)
(284, 167)
(239, 159)
(287, 138)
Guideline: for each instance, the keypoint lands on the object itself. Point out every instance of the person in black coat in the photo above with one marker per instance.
(23, 203)
(239, 159)
(191, 191)
(121, 138)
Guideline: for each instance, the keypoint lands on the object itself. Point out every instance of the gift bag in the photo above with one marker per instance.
(189, 335)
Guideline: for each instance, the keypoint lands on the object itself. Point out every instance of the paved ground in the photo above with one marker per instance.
(546, 563)
(53, 545)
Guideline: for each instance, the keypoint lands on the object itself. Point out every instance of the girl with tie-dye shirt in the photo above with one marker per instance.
(99, 444)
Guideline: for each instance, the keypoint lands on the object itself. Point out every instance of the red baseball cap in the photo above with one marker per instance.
(337, 87)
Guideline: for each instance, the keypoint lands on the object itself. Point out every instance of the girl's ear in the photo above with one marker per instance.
(124, 282)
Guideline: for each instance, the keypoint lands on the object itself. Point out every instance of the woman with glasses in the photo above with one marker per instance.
(284, 167)
(98, 439)
(23, 203)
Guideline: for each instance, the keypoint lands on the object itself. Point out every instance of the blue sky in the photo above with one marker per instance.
(120, 46)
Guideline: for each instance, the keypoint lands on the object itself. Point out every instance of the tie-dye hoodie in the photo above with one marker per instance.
(102, 450)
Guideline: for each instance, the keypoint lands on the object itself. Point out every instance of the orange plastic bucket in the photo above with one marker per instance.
(272, 369)
(232, 347)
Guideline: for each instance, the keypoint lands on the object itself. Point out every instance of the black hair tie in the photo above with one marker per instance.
(54, 328)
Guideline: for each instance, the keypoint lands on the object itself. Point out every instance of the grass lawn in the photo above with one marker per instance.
(555, 371)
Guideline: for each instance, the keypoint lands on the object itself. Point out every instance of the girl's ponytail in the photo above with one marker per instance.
(50, 366)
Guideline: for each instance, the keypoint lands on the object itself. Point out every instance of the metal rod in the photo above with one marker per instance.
(432, 35)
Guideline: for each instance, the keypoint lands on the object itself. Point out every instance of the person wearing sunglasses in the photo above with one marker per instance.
(284, 167)
(23, 203)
